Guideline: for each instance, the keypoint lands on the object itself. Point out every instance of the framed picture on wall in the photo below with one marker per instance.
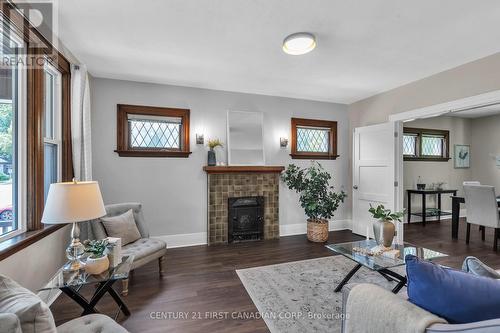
(461, 156)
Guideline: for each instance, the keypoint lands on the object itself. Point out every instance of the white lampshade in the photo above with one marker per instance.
(73, 202)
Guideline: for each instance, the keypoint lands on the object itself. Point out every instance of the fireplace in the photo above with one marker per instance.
(245, 218)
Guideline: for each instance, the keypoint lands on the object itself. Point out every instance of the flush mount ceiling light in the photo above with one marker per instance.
(299, 43)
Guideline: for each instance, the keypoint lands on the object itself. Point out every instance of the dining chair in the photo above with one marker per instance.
(482, 209)
(481, 227)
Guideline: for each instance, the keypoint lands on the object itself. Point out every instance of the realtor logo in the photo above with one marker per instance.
(41, 16)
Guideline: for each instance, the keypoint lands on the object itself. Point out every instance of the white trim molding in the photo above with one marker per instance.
(200, 238)
(301, 228)
(462, 104)
(183, 240)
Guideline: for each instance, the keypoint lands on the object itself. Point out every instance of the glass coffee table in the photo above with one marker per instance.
(380, 263)
(70, 283)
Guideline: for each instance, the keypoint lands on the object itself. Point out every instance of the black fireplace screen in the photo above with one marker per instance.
(245, 219)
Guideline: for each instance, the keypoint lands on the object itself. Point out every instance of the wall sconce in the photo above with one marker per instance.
(200, 139)
(283, 142)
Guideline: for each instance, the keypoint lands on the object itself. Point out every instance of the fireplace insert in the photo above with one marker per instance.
(245, 219)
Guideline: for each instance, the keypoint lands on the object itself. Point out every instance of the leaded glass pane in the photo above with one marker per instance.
(432, 145)
(313, 139)
(409, 144)
(159, 134)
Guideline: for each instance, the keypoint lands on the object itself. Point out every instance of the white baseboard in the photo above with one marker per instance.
(301, 228)
(182, 240)
(200, 238)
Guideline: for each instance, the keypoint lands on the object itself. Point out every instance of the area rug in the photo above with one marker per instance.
(299, 296)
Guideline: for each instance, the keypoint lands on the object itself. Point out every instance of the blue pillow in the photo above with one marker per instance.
(454, 295)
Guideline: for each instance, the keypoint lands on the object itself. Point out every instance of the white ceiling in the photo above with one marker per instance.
(364, 47)
(484, 111)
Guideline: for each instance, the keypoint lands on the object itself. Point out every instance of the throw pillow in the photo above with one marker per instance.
(34, 315)
(477, 267)
(456, 296)
(122, 226)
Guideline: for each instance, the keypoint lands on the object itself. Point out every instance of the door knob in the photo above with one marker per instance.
(355, 187)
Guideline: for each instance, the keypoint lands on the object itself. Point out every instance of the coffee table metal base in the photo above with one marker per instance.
(101, 289)
(388, 274)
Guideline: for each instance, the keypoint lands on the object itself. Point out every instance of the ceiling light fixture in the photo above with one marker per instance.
(299, 43)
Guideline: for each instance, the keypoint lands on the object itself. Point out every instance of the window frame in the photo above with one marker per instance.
(123, 131)
(19, 203)
(323, 124)
(57, 117)
(419, 133)
(33, 193)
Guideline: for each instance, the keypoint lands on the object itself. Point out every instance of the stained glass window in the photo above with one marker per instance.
(314, 140)
(155, 132)
(409, 144)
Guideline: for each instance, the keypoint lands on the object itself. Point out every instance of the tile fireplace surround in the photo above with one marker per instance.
(241, 181)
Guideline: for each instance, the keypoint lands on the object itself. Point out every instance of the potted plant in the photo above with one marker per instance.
(316, 197)
(383, 227)
(212, 144)
(97, 261)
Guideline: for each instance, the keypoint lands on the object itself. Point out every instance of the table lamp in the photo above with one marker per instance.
(73, 202)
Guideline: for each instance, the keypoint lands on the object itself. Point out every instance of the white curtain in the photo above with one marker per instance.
(80, 123)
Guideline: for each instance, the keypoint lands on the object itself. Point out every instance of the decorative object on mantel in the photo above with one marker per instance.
(212, 144)
(316, 196)
(384, 229)
(97, 262)
(73, 202)
(461, 156)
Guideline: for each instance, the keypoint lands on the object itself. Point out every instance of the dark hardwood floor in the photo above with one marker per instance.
(203, 279)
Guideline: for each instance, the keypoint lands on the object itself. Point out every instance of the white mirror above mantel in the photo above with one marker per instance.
(245, 138)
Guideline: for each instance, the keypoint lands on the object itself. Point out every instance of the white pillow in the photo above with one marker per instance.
(33, 313)
(122, 226)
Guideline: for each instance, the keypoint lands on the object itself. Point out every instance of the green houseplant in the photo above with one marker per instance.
(316, 197)
(383, 227)
(97, 261)
(212, 144)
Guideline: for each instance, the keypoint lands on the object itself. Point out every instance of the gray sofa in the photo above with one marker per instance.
(409, 317)
(21, 311)
(144, 250)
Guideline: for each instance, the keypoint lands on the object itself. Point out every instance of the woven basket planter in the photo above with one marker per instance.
(317, 230)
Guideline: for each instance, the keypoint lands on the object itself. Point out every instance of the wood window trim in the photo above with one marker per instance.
(35, 118)
(122, 133)
(419, 132)
(332, 125)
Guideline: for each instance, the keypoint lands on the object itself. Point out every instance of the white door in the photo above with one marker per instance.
(377, 165)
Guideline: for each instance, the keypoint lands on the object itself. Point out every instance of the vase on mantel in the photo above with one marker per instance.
(211, 160)
(384, 231)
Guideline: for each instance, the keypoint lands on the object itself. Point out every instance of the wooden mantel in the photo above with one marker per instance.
(244, 169)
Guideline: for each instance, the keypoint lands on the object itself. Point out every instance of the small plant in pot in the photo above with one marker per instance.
(384, 228)
(316, 197)
(212, 144)
(97, 261)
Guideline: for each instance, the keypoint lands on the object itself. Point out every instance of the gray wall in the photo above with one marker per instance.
(35, 265)
(474, 78)
(486, 142)
(433, 172)
(173, 190)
